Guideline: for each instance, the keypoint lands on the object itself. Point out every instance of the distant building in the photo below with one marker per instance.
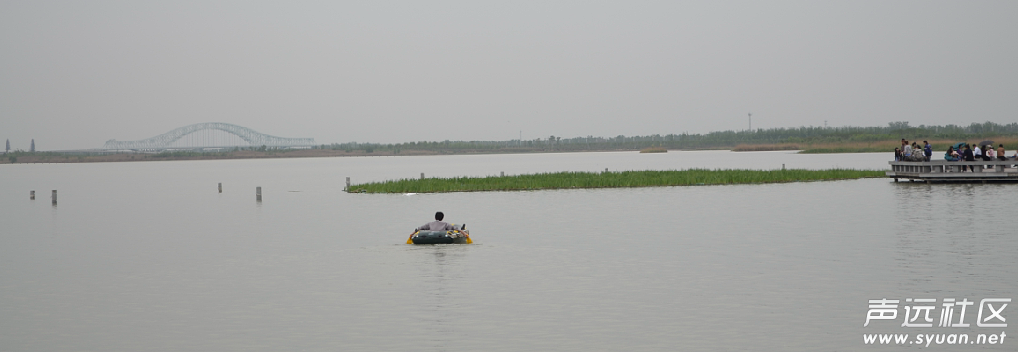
(32, 148)
(8, 150)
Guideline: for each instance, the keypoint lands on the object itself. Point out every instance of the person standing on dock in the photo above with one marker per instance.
(927, 150)
(967, 155)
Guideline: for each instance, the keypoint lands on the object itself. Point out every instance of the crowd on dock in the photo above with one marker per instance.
(913, 152)
(958, 152)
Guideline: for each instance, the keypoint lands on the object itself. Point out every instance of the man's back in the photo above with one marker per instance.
(436, 226)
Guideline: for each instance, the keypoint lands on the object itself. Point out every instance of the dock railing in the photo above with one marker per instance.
(952, 171)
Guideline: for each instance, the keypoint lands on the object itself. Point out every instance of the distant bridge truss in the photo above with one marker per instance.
(209, 135)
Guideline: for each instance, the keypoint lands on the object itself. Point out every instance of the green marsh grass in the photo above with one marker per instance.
(569, 180)
(654, 150)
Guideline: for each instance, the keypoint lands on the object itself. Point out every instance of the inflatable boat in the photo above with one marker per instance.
(440, 237)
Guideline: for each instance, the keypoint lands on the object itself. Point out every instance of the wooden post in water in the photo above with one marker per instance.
(31, 195)
(258, 193)
(54, 196)
(220, 187)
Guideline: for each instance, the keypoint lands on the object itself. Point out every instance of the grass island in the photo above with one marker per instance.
(622, 179)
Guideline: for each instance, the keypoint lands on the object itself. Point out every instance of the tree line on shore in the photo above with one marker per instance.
(811, 139)
(894, 131)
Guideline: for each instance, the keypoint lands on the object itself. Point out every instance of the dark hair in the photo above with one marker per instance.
(439, 216)
(1001, 145)
(926, 142)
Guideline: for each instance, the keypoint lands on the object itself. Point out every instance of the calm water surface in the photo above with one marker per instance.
(149, 257)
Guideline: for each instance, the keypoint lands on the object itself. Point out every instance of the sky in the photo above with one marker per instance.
(74, 74)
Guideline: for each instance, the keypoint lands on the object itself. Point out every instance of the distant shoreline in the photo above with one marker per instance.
(938, 145)
(51, 157)
(21, 157)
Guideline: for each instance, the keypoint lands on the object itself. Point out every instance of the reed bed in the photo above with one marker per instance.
(765, 147)
(654, 150)
(866, 147)
(888, 146)
(569, 180)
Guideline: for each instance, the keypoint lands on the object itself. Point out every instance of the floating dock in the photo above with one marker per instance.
(951, 171)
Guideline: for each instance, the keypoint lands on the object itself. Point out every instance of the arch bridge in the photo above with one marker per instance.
(209, 135)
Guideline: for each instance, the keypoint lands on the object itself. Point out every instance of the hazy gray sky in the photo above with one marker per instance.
(74, 74)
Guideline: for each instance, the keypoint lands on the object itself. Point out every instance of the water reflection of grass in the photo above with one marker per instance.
(566, 180)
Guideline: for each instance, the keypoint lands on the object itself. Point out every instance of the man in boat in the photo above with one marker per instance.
(438, 224)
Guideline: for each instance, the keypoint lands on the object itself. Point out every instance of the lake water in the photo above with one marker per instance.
(148, 256)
